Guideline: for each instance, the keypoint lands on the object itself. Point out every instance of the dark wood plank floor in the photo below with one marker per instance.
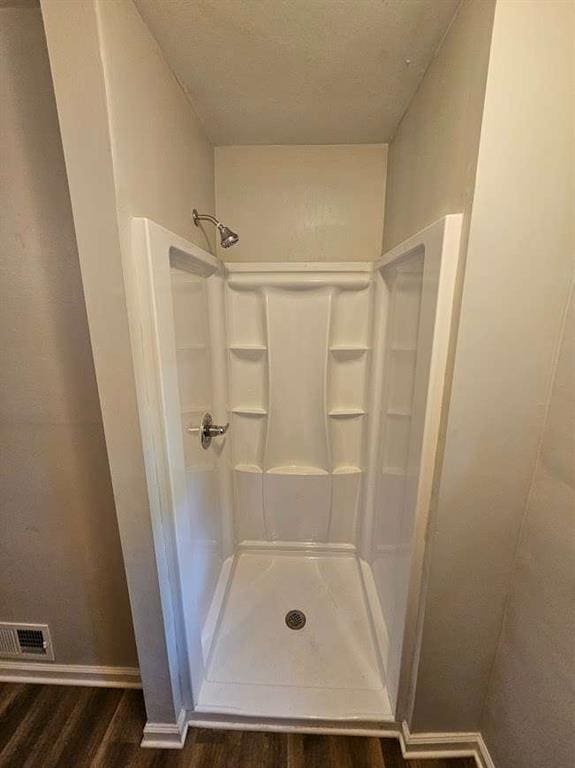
(45, 726)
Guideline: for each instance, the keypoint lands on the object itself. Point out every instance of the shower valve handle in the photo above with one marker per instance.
(208, 429)
(215, 430)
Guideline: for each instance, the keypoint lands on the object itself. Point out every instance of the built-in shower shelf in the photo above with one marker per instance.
(398, 413)
(246, 410)
(294, 469)
(348, 349)
(250, 350)
(345, 413)
(195, 347)
(253, 469)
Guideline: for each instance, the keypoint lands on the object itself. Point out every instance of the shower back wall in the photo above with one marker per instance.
(299, 340)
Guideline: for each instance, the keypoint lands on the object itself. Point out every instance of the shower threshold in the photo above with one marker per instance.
(328, 668)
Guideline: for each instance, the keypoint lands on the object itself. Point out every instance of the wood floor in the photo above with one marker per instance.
(45, 726)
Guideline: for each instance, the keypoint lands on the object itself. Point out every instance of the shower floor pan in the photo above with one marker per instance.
(328, 669)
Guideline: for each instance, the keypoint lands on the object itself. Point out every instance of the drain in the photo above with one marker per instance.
(295, 619)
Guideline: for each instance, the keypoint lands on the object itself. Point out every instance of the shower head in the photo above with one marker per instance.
(227, 237)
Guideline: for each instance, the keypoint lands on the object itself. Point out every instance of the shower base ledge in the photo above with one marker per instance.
(293, 703)
(328, 670)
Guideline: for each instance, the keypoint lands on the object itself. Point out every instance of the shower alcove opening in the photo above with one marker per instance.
(317, 498)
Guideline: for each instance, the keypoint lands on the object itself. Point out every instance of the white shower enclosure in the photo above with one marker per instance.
(316, 500)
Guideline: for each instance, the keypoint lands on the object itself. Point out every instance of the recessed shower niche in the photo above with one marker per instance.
(316, 498)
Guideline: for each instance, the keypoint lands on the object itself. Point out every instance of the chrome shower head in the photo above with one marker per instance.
(227, 237)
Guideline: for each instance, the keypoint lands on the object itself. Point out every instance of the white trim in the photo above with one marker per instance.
(483, 758)
(414, 746)
(437, 745)
(166, 735)
(69, 674)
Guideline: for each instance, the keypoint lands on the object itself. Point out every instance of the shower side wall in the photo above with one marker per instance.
(415, 286)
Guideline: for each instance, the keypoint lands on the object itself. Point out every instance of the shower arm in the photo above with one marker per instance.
(204, 217)
(227, 236)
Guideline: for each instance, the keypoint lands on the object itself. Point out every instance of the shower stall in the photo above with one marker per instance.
(291, 544)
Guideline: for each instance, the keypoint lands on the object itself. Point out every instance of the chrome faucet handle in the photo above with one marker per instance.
(207, 430)
(215, 430)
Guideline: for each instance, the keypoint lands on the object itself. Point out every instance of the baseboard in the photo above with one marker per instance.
(483, 758)
(437, 745)
(418, 746)
(69, 674)
(414, 746)
(166, 735)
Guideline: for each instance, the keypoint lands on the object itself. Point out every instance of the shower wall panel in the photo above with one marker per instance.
(202, 522)
(414, 285)
(401, 426)
(299, 340)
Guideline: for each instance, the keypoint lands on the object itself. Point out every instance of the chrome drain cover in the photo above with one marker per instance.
(295, 619)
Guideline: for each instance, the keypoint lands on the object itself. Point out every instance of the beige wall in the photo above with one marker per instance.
(60, 555)
(519, 264)
(528, 717)
(133, 147)
(431, 172)
(433, 154)
(163, 161)
(302, 203)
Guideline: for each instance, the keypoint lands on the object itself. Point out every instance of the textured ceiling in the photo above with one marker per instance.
(299, 71)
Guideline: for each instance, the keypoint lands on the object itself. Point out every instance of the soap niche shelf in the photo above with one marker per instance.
(246, 315)
(346, 413)
(346, 428)
(346, 378)
(248, 381)
(248, 350)
(191, 346)
(350, 320)
(348, 350)
(248, 429)
(246, 410)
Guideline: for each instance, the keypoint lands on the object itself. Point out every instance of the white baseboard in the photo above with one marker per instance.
(166, 735)
(437, 745)
(419, 746)
(69, 674)
(293, 725)
(483, 755)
